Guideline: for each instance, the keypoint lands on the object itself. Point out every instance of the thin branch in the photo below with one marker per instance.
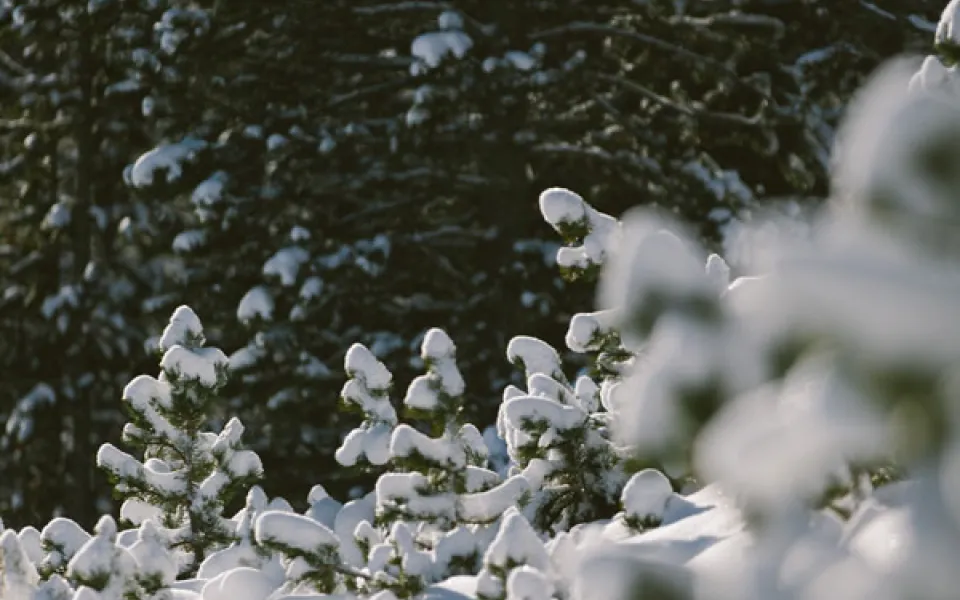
(739, 20)
(11, 63)
(618, 115)
(29, 124)
(378, 208)
(374, 9)
(649, 40)
(344, 570)
(366, 91)
(366, 59)
(692, 110)
(641, 163)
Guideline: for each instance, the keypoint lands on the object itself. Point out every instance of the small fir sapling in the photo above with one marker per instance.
(553, 421)
(569, 427)
(188, 475)
(590, 236)
(440, 483)
(555, 428)
(437, 468)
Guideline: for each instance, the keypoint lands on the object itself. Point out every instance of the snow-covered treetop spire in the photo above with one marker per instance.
(184, 329)
(368, 392)
(437, 394)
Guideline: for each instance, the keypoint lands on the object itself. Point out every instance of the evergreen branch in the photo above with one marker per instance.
(29, 124)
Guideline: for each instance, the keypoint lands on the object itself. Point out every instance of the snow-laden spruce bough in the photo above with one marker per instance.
(786, 436)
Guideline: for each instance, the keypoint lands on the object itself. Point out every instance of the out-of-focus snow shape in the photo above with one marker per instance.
(898, 157)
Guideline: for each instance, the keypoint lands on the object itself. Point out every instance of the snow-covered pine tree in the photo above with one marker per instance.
(561, 429)
(551, 431)
(187, 474)
(450, 463)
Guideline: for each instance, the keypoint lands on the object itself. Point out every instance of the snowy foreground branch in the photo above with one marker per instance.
(788, 435)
